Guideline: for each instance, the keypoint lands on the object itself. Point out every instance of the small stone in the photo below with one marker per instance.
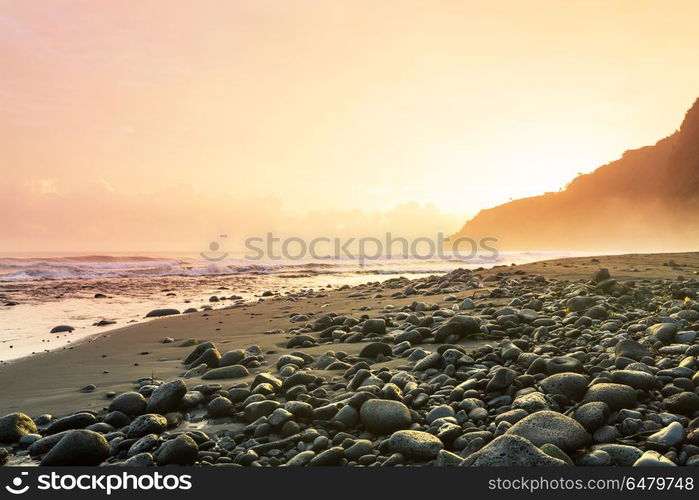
(14, 426)
(129, 403)
(382, 416)
(150, 423)
(417, 445)
(631, 349)
(664, 332)
(667, 437)
(181, 450)
(511, 451)
(592, 415)
(551, 427)
(167, 397)
(235, 371)
(572, 385)
(78, 447)
(653, 459)
(684, 403)
(373, 349)
(616, 396)
(634, 378)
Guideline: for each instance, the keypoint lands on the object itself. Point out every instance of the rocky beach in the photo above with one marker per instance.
(587, 361)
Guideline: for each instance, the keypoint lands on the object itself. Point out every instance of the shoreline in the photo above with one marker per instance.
(114, 360)
(555, 268)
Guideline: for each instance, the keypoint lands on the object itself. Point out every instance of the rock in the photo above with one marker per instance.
(210, 357)
(301, 459)
(460, 326)
(592, 415)
(616, 396)
(653, 459)
(448, 459)
(150, 423)
(167, 340)
(329, 457)
(634, 378)
(416, 445)
(253, 411)
(382, 416)
(140, 460)
(358, 449)
(374, 349)
(664, 332)
(572, 385)
(374, 326)
(14, 426)
(76, 421)
(531, 402)
(563, 364)
(181, 450)
(581, 303)
(467, 304)
(683, 403)
(551, 427)
(666, 438)
(62, 329)
(198, 350)
(78, 447)
(555, 452)
(129, 403)
(157, 313)
(601, 275)
(595, 458)
(441, 411)
(511, 451)
(234, 371)
(502, 378)
(622, 455)
(631, 349)
(430, 361)
(220, 407)
(231, 358)
(167, 397)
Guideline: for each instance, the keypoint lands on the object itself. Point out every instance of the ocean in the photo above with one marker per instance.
(38, 293)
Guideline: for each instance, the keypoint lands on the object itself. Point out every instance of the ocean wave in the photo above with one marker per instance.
(104, 267)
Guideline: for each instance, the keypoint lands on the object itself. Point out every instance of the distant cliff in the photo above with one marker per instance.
(647, 200)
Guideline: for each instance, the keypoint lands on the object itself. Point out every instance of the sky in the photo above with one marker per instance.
(154, 125)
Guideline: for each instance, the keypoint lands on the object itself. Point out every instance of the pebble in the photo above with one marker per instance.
(384, 416)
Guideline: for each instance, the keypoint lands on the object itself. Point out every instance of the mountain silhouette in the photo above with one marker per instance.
(648, 200)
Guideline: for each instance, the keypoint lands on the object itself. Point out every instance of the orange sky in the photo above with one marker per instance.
(136, 125)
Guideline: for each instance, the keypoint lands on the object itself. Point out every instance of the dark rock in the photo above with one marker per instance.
(167, 397)
(14, 426)
(78, 447)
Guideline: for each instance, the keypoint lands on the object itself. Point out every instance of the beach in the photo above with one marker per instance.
(468, 368)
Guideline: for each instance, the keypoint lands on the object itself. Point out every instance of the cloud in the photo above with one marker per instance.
(97, 217)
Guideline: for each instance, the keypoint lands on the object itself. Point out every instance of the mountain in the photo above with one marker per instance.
(648, 200)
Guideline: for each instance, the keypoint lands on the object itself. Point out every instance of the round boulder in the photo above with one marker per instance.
(571, 385)
(14, 426)
(79, 447)
(551, 427)
(382, 416)
(617, 396)
(129, 403)
(167, 397)
(182, 450)
(417, 445)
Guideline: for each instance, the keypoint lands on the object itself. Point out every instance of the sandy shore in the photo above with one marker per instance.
(51, 382)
